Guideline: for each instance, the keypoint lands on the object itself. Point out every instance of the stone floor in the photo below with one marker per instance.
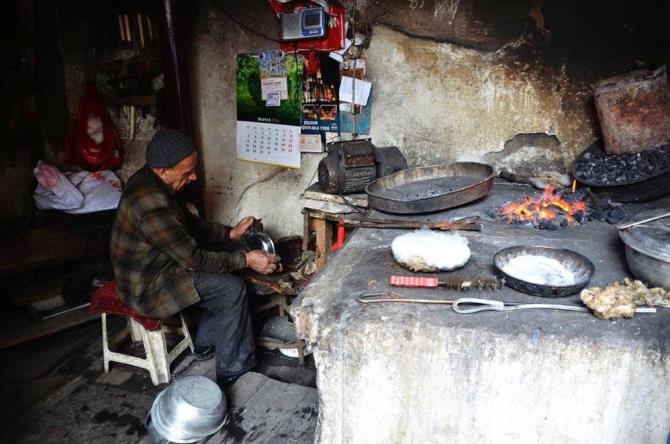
(54, 390)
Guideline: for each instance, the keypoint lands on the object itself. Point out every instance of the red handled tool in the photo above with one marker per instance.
(457, 283)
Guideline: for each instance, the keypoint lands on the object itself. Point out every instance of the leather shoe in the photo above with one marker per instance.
(203, 352)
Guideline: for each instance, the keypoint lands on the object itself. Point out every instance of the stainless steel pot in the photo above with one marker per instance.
(189, 410)
(648, 249)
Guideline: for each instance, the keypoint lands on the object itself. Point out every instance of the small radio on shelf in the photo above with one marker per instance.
(307, 23)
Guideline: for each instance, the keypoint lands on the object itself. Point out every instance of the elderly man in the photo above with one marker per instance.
(161, 268)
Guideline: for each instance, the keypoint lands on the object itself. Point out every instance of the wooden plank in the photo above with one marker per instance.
(16, 332)
(315, 192)
(323, 241)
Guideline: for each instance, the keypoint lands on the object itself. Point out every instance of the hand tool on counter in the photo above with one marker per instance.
(387, 296)
(475, 305)
(467, 223)
(644, 221)
(456, 283)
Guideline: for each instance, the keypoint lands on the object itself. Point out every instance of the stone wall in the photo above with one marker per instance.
(453, 80)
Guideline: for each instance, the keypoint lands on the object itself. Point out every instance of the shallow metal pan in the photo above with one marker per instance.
(431, 188)
(579, 265)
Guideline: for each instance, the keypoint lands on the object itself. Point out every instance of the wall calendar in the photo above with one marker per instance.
(269, 91)
(269, 143)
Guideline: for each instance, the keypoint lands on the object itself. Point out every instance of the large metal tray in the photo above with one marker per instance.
(431, 188)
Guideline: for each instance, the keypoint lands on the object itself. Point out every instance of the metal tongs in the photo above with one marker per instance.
(475, 305)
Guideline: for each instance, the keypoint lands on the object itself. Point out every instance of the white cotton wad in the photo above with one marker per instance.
(426, 250)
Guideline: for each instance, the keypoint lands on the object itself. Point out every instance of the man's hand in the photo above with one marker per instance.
(241, 228)
(262, 262)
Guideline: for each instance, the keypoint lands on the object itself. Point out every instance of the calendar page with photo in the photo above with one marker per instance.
(269, 91)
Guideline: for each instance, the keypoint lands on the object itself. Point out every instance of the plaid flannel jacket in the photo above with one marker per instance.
(154, 244)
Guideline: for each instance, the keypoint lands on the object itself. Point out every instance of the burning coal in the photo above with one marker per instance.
(550, 210)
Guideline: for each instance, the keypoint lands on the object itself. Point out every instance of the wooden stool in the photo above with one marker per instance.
(150, 331)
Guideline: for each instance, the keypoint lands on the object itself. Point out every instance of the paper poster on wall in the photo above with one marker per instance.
(319, 102)
(269, 89)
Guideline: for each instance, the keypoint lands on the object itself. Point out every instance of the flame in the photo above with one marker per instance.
(547, 207)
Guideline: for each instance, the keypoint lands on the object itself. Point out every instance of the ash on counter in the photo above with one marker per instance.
(595, 166)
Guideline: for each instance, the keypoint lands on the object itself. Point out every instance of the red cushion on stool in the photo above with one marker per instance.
(106, 300)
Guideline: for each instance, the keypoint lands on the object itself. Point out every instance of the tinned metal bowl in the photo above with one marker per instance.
(259, 241)
(189, 410)
(580, 266)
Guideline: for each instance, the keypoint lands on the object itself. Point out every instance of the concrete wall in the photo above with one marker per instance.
(453, 80)
(236, 188)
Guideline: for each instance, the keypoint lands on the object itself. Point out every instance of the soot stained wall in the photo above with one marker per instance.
(453, 80)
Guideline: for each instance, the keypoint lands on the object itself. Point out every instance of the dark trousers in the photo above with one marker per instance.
(224, 322)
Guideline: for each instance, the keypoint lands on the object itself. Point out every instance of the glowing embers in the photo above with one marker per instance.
(550, 210)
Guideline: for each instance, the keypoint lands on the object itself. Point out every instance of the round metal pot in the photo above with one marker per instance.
(654, 272)
(581, 267)
(189, 410)
(648, 248)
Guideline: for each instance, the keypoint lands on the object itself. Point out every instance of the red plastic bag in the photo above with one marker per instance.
(92, 141)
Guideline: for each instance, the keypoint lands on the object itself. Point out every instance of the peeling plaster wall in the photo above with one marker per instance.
(440, 102)
(453, 80)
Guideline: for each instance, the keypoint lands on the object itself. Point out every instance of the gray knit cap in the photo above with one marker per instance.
(168, 147)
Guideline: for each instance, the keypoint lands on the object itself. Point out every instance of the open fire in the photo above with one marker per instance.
(550, 210)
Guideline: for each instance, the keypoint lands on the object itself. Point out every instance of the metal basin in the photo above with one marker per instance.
(189, 410)
(581, 267)
(430, 188)
(648, 249)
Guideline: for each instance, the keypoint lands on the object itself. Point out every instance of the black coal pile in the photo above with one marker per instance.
(595, 166)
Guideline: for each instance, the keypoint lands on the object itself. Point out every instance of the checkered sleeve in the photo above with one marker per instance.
(165, 231)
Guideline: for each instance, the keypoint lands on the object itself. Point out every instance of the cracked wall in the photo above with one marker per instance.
(453, 80)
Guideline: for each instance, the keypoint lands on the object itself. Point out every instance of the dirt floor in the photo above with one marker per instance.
(54, 390)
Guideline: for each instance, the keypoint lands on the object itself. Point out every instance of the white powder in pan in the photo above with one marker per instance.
(426, 250)
(539, 270)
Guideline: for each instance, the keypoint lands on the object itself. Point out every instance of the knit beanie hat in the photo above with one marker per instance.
(168, 147)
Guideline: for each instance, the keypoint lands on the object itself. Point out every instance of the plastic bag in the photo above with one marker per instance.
(92, 141)
(101, 190)
(54, 191)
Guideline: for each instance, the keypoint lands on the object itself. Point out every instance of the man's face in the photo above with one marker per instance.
(181, 174)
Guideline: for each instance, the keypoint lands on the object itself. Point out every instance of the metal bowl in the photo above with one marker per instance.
(581, 267)
(189, 410)
(648, 249)
(260, 241)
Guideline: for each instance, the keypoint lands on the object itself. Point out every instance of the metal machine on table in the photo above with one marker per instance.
(351, 165)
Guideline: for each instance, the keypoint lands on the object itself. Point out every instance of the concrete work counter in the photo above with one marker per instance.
(411, 373)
